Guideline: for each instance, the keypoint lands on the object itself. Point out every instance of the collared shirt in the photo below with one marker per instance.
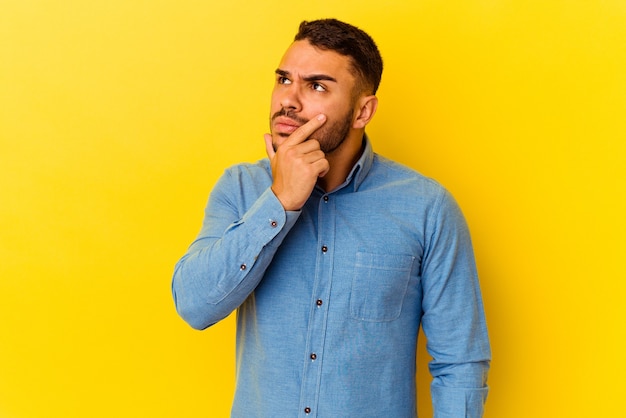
(330, 298)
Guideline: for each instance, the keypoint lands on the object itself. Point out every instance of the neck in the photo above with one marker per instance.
(341, 162)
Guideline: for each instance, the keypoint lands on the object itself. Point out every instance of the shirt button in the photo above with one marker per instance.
(313, 356)
(274, 224)
(243, 267)
(324, 248)
(319, 302)
(307, 410)
(325, 198)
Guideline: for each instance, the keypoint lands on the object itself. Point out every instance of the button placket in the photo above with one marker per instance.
(313, 356)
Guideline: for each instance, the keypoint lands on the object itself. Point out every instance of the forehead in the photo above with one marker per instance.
(302, 59)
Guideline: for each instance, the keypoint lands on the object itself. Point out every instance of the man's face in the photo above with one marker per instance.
(310, 81)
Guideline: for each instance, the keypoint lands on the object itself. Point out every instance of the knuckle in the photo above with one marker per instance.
(289, 152)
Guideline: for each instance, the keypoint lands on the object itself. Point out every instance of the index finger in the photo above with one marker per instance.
(303, 132)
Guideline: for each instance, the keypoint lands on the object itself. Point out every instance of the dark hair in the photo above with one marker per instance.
(350, 41)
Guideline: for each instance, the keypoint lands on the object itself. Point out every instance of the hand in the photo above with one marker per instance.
(297, 164)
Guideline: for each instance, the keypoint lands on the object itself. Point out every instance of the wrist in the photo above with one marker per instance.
(287, 204)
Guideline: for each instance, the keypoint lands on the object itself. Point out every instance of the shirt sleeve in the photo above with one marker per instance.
(453, 316)
(231, 253)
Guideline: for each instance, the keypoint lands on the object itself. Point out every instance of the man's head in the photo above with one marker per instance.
(331, 68)
(350, 41)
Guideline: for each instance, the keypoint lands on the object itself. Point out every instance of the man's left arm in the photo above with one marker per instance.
(453, 316)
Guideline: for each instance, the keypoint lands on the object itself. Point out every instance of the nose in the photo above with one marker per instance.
(290, 99)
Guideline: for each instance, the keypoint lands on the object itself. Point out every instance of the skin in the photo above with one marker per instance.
(317, 121)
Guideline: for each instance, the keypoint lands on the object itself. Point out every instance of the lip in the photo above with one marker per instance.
(284, 124)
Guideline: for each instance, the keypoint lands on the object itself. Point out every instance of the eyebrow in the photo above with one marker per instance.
(309, 78)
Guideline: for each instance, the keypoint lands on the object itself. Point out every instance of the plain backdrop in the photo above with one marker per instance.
(117, 117)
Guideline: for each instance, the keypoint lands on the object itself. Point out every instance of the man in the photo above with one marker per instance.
(333, 256)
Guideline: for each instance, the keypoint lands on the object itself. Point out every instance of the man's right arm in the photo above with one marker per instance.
(230, 255)
(229, 258)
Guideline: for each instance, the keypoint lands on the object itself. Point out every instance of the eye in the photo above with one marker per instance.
(283, 80)
(318, 87)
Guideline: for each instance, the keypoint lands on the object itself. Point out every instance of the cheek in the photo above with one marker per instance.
(338, 113)
(327, 130)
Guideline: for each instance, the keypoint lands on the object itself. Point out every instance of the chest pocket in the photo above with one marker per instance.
(378, 286)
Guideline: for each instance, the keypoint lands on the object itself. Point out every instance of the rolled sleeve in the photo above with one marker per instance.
(458, 402)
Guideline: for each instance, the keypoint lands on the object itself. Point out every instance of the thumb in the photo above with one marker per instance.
(269, 146)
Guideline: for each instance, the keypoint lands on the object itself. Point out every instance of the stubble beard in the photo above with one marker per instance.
(330, 135)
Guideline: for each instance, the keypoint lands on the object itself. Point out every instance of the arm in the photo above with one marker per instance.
(230, 255)
(238, 240)
(453, 320)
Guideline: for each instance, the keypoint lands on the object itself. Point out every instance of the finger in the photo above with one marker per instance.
(322, 166)
(317, 159)
(308, 146)
(303, 132)
(269, 146)
(313, 156)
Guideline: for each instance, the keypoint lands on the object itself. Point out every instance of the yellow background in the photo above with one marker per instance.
(117, 117)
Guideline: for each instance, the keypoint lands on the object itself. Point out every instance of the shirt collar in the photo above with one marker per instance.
(363, 165)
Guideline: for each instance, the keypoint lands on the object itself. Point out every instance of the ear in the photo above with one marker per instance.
(367, 106)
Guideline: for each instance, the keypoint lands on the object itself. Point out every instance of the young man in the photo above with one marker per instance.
(333, 256)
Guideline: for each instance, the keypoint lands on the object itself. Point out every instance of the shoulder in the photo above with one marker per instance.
(423, 195)
(255, 169)
(244, 179)
(412, 182)
(245, 174)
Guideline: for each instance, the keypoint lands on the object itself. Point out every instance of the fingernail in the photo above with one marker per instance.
(321, 117)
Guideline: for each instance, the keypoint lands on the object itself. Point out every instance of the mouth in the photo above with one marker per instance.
(284, 125)
(285, 122)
